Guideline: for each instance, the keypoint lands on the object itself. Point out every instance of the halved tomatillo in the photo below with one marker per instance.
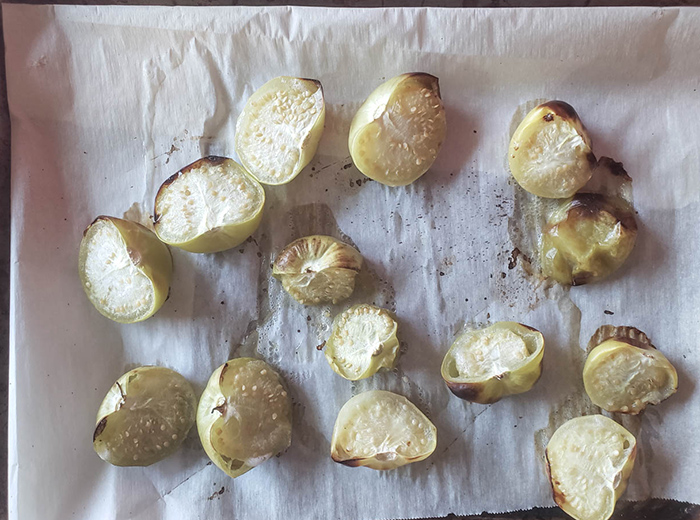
(623, 374)
(144, 417)
(589, 460)
(487, 364)
(125, 270)
(362, 341)
(381, 430)
(550, 152)
(398, 131)
(211, 205)
(318, 269)
(244, 415)
(587, 238)
(278, 132)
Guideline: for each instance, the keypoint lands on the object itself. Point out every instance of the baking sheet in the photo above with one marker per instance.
(107, 102)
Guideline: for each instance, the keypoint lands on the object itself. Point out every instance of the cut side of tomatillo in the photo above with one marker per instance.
(550, 152)
(589, 460)
(381, 430)
(318, 269)
(244, 415)
(362, 341)
(487, 364)
(144, 417)
(624, 375)
(278, 132)
(211, 205)
(125, 270)
(587, 238)
(398, 131)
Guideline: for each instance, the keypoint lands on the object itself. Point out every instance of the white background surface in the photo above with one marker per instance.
(106, 103)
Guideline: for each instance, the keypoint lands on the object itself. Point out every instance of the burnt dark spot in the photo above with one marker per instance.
(442, 274)
(582, 278)
(347, 166)
(561, 109)
(469, 392)
(590, 205)
(167, 183)
(513, 261)
(353, 463)
(548, 117)
(529, 328)
(224, 369)
(308, 318)
(352, 183)
(99, 428)
(320, 347)
(615, 168)
(592, 161)
(609, 313)
(503, 275)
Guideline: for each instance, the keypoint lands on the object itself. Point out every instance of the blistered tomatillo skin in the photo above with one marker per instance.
(550, 152)
(244, 415)
(484, 365)
(144, 417)
(587, 238)
(279, 129)
(381, 430)
(623, 374)
(363, 340)
(398, 131)
(318, 269)
(211, 205)
(125, 270)
(589, 461)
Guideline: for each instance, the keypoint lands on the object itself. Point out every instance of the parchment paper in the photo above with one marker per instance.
(107, 102)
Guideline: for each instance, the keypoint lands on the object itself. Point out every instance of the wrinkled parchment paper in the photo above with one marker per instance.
(107, 102)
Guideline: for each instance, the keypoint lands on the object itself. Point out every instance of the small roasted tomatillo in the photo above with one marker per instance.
(211, 205)
(363, 340)
(624, 374)
(397, 133)
(589, 461)
(381, 430)
(318, 269)
(587, 238)
(550, 152)
(125, 270)
(244, 415)
(144, 417)
(487, 364)
(278, 132)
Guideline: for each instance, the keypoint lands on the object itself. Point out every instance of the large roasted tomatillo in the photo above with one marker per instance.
(397, 133)
(244, 415)
(125, 270)
(318, 269)
(211, 205)
(589, 460)
(587, 238)
(625, 372)
(278, 132)
(381, 430)
(484, 365)
(144, 417)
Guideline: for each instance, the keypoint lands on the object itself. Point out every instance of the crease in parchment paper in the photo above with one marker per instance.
(108, 102)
